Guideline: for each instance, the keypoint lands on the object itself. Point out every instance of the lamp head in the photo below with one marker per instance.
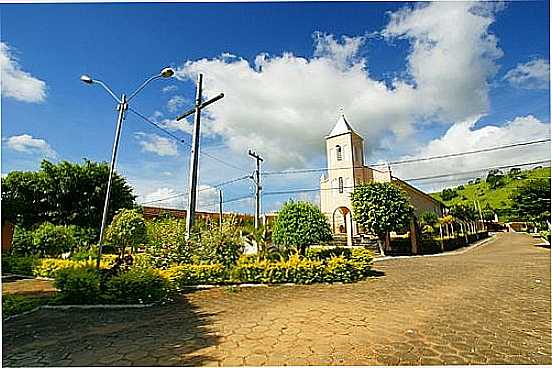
(167, 72)
(86, 79)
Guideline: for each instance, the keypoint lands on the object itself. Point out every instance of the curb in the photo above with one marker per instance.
(200, 287)
(78, 306)
(27, 277)
(451, 253)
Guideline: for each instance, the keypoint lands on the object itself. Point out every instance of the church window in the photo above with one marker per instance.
(339, 153)
(340, 184)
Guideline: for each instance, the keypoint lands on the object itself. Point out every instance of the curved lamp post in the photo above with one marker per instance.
(122, 106)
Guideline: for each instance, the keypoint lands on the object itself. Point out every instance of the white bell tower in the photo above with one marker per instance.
(345, 157)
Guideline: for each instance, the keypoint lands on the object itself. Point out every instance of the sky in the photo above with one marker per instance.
(414, 79)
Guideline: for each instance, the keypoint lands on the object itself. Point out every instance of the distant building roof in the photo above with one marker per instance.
(341, 127)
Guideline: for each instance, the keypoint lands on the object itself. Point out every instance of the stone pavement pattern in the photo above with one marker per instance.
(490, 305)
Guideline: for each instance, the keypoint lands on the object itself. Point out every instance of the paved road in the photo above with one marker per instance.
(490, 305)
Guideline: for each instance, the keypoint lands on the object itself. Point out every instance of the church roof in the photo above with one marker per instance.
(341, 127)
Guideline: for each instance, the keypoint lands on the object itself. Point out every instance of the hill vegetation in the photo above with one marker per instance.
(493, 192)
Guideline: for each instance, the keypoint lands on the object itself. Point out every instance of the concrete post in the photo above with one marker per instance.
(413, 239)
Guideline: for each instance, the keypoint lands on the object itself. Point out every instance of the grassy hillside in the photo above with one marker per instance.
(498, 198)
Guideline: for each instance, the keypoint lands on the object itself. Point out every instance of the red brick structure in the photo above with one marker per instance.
(153, 212)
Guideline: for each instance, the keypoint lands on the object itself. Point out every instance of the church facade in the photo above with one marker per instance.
(346, 170)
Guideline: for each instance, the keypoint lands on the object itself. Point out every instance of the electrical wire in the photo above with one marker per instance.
(305, 190)
(211, 187)
(302, 171)
(182, 141)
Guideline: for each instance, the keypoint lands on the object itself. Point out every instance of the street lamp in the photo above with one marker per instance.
(122, 106)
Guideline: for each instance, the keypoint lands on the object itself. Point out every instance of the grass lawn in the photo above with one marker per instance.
(499, 198)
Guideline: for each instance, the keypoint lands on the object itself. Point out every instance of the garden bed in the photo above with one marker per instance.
(80, 282)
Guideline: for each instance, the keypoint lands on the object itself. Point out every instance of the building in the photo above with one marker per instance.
(346, 170)
(154, 212)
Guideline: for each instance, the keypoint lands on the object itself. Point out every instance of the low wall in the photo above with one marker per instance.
(402, 247)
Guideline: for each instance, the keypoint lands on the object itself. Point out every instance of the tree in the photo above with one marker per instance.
(300, 224)
(448, 194)
(63, 194)
(381, 208)
(127, 230)
(495, 179)
(531, 201)
(463, 212)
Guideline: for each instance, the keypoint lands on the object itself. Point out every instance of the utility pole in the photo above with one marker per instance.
(194, 155)
(220, 209)
(257, 180)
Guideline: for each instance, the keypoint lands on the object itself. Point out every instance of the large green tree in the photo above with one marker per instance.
(531, 201)
(63, 194)
(300, 224)
(381, 208)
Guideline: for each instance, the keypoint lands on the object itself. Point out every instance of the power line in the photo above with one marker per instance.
(302, 171)
(211, 187)
(182, 141)
(476, 171)
(305, 190)
(151, 122)
(469, 152)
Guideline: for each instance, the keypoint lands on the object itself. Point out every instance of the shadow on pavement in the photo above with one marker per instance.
(174, 334)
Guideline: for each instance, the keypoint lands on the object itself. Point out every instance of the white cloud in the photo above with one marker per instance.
(156, 144)
(156, 115)
(465, 136)
(207, 198)
(27, 144)
(283, 106)
(534, 74)
(170, 88)
(172, 124)
(16, 83)
(175, 103)
(163, 197)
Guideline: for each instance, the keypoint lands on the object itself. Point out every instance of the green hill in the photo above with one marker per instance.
(497, 198)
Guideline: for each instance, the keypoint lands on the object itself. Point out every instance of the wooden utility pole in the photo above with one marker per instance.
(257, 180)
(194, 154)
(220, 209)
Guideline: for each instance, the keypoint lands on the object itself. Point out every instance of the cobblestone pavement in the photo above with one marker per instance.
(490, 305)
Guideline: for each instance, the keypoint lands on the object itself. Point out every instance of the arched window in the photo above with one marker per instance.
(340, 184)
(339, 153)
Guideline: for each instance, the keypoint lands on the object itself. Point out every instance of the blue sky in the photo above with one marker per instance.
(412, 82)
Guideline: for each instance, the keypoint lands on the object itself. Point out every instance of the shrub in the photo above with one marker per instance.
(166, 242)
(338, 269)
(321, 253)
(218, 247)
(79, 285)
(362, 256)
(22, 243)
(19, 265)
(428, 218)
(84, 253)
(184, 275)
(53, 240)
(16, 304)
(300, 224)
(139, 285)
(127, 230)
(85, 237)
(46, 240)
(45, 267)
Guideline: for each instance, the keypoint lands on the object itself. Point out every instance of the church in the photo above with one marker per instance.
(346, 170)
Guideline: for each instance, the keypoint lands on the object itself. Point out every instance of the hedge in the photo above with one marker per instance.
(47, 267)
(89, 286)
(296, 269)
